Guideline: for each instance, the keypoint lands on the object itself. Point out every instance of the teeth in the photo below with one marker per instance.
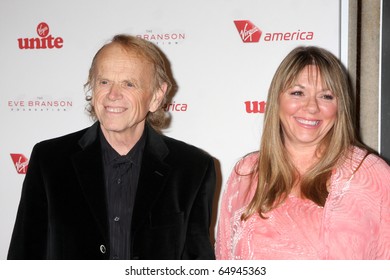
(307, 122)
(115, 109)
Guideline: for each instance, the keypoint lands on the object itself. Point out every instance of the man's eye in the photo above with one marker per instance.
(103, 82)
(128, 84)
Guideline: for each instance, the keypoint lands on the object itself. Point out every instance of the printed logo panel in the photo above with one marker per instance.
(250, 33)
(43, 41)
(20, 162)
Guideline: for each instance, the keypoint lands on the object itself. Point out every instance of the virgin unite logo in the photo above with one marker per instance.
(20, 162)
(43, 41)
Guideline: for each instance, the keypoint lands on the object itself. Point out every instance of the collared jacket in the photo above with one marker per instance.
(63, 208)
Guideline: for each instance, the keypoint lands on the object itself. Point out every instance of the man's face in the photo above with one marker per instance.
(123, 91)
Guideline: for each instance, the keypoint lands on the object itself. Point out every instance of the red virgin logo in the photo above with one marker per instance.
(20, 162)
(43, 29)
(44, 41)
(249, 33)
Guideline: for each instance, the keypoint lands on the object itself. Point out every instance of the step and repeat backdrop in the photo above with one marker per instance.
(222, 55)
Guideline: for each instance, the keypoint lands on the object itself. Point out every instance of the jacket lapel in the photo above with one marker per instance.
(89, 170)
(153, 175)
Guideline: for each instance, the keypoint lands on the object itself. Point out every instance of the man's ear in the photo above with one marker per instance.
(158, 97)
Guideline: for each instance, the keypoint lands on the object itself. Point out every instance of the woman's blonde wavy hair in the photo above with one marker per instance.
(274, 171)
(151, 54)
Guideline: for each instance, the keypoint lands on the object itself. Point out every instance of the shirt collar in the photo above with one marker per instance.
(112, 156)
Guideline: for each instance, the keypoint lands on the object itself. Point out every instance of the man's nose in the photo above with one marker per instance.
(115, 92)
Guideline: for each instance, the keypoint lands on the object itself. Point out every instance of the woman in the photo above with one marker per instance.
(313, 191)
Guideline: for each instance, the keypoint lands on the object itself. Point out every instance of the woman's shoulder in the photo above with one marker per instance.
(361, 163)
(362, 158)
(242, 180)
(247, 164)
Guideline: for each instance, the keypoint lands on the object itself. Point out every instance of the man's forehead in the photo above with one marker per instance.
(118, 51)
(121, 58)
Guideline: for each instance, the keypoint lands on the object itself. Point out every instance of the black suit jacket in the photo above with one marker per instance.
(63, 209)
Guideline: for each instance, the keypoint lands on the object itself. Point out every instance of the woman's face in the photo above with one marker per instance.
(307, 110)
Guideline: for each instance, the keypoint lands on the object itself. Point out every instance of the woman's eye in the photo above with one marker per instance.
(296, 93)
(328, 96)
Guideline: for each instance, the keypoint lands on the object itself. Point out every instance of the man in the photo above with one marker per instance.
(118, 189)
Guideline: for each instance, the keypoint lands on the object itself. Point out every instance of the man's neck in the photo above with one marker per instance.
(122, 142)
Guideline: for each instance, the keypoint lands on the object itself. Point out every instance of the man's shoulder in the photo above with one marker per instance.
(184, 149)
(76, 135)
(61, 143)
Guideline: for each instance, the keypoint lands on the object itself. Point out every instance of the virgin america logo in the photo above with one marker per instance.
(20, 162)
(175, 107)
(249, 33)
(44, 41)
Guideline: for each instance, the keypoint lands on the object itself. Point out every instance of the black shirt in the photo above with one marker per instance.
(121, 174)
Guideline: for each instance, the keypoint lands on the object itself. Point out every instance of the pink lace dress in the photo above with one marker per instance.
(353, 224)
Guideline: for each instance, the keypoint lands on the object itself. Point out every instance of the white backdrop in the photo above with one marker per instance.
(217, 73)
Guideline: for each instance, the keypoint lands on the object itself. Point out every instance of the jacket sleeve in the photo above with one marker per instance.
(198, 244)
(29, 237)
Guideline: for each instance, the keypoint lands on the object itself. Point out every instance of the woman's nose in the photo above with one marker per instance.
(312, 105)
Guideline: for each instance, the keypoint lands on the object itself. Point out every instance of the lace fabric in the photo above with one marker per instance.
(353, 224)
